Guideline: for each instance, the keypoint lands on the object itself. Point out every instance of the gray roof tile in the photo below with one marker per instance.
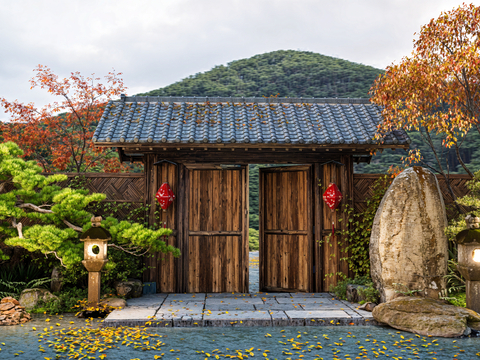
(178, 120)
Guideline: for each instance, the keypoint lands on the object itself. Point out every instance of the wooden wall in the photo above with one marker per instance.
(330, 250)
(163, 269)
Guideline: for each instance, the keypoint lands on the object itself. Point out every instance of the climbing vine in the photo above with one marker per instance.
(354, 239)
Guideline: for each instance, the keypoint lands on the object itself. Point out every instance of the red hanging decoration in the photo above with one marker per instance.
(332, 196)
(165, 196)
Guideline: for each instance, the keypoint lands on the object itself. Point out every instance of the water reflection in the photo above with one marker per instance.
(263, 342)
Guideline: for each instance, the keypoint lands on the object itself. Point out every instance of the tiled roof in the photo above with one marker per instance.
(184, 120)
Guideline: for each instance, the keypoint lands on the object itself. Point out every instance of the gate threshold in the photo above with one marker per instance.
(237, 309)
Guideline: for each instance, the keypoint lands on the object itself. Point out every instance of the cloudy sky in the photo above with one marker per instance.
(155, 43)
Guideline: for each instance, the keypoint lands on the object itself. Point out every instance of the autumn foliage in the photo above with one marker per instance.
(436, 89)
(59, 136)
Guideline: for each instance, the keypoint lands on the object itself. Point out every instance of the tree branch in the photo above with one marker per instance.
(129, 252)
(34, 208)
(18, 227)
(56, 255)
(45, 211)
(71, 226)
(457, 151)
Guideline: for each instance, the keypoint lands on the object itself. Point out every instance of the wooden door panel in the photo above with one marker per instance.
(215, 263)
(285, 229)
(218, 230)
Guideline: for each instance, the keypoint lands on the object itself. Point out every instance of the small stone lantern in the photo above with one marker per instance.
(469, 261)
(95, 242)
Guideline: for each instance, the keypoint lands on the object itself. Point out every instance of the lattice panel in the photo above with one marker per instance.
(127, 189)
(363, 189)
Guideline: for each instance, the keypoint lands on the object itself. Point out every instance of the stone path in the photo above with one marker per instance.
(260, 309)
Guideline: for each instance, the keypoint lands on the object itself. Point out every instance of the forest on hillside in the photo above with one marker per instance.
(285, 73)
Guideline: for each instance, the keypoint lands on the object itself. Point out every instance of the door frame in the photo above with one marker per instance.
(310, 221)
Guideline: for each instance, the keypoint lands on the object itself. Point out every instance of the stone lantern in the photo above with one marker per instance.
(469, 261)
(95, 242)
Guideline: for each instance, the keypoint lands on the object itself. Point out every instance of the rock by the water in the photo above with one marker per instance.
(132, 288)
(408, 246)
(12, 313)
(114, 302)
(30, 297)
(426, 316)
(369, 306)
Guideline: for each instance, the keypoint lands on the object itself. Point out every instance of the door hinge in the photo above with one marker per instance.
(314, 269)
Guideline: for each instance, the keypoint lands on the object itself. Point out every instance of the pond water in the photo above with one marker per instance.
(75, 337)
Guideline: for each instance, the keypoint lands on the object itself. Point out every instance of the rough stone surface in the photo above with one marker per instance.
(115, 302)
(408, 247)
(227, 309)
(11, 313)
(426, 316)
(30, 297)
(132, 288)
(369, 306)
(57, 280)
(10, 300)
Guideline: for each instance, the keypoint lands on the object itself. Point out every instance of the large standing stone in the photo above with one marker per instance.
(408, 246)
(426, 316)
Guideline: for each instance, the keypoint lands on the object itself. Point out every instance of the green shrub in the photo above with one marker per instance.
(253, 243)
(340, 290)
(458, 299)
(15, 288)
(64, 304)
(119, 267)
(22, 272)
(369, 293)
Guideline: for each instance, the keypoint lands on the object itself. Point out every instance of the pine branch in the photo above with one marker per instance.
(45, 211)
(56, 255)
(129, 252)
(18, 227)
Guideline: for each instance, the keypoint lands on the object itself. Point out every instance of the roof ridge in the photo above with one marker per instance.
(241, 99)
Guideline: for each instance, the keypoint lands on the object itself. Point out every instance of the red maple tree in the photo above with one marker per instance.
(436, 90)
(59, 136)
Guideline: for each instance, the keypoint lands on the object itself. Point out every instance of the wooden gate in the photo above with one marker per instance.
(286, 235)
(217, 233)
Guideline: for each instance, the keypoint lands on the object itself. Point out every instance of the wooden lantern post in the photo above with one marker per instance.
(469, 261)
(95, 242)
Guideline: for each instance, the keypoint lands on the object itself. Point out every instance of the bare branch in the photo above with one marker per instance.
(56, 255)
(71, 226)
(4, 183)
(129, 252)
(35, 208)
(45, 211)
(459, 157)
(18, 227)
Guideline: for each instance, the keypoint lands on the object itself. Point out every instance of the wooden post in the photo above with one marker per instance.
(94, 288)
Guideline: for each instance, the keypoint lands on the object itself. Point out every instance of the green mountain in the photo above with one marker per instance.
(284, 73)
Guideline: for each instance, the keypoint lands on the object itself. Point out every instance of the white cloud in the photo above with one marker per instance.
(155, 43)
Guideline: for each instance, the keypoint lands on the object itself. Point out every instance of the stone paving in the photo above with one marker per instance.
(257, 309)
